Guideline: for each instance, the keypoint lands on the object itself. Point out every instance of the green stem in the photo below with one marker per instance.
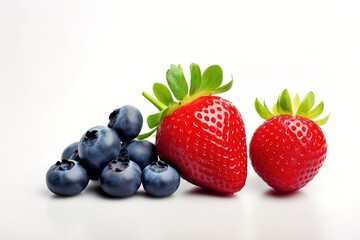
(154, 101)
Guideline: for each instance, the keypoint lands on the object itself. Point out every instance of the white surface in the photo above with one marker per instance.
(65, 65)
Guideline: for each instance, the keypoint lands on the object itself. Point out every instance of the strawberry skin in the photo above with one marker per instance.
(288, 150)
(205, 140)
(200, 134)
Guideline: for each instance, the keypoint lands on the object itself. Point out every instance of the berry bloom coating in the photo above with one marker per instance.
(120, 178)
(127, 121)
(97, 147)
(160, 179)
(142, 152)
(69, 150)
(67, 178)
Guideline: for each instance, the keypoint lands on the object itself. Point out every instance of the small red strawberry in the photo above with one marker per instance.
(289, 148)
(202, 135)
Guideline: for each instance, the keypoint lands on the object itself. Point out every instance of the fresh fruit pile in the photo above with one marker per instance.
(112, 155)
(199, 137)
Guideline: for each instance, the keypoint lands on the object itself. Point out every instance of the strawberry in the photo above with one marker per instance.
(289, 148)
(202, 135)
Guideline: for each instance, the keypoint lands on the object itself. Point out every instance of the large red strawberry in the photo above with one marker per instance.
(202, 135)
(289, 148)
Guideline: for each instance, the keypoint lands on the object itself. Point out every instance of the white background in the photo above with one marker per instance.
(65, 65)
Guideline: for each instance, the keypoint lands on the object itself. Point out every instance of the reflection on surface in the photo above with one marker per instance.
(286, 216)
(190, 213)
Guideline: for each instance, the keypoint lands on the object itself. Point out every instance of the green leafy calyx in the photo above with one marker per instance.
(286, 105)
(178, 93)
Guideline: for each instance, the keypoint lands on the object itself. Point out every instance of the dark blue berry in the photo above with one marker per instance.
(67, 178)
(142, 152)
(120, 178)
(159, 179)
(71, 153)
(127, 121)
(97, 147)
(69, 150)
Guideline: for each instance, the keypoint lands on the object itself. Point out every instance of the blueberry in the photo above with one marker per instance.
(97, 147)
(120, 178)
(159, 179)
(127, 121)
(71, 153)
(67, 178)
(69, 150)
(142, 152)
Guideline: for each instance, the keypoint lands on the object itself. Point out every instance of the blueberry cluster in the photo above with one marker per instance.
(112, 155)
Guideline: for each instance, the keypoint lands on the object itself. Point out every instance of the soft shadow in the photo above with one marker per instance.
(54, 196)
(94, 189)
(142, 193)
(100, 193)
(285, 216)
(275, 194)
(205, 192)
(255, 184)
